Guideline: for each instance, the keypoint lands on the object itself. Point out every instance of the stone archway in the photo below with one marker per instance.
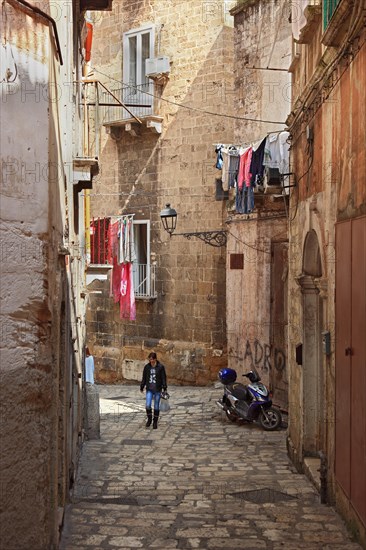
(312, 381)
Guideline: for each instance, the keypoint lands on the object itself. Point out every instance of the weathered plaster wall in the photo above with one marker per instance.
(262, 41)
(27, 372)
(249, 292)
(255, 336)
(176, 167)
(40, 421)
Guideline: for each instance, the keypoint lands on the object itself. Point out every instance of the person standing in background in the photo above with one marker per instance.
(89, 367)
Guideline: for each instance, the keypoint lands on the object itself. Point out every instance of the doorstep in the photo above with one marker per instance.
(312, 470)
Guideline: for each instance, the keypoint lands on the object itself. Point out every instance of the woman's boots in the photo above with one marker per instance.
(156, 418)
(149, 417)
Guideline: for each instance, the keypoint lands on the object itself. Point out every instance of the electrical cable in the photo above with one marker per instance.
(249, 245)
(195, 109)
(276, 33)
(310, 153)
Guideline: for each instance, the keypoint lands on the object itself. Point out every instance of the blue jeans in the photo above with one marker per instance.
(150, 396)
(244, 200)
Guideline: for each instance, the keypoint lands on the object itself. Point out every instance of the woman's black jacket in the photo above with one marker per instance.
(160, 377)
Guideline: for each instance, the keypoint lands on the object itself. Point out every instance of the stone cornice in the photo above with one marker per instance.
(242, 5)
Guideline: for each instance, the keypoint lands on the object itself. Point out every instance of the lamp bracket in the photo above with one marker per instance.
(213, 238)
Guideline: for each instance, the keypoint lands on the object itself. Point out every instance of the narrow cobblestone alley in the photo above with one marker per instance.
(198, 481)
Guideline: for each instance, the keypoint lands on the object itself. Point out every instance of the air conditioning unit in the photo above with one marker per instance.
(157, 66)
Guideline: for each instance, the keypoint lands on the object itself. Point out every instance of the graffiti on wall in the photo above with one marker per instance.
(264, 356)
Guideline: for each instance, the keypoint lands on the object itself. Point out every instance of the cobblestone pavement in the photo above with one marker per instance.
(198, 481)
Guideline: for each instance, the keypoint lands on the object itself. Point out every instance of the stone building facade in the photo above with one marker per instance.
(327, 256)
(256, 307)
(165, 157)
(42, 270)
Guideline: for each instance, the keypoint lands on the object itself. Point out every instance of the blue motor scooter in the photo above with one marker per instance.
(250, 402)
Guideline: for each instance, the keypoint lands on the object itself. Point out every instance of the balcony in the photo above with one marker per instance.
(306, 21)
(85, 162)
(135, 105)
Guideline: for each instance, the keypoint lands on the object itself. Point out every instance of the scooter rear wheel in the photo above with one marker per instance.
(270, 420)
(231, 416)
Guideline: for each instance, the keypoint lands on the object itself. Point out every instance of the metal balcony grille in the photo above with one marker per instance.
(329, 7)
(144, 280)
(140, 100)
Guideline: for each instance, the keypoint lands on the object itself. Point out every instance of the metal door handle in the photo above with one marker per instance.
(348, 351)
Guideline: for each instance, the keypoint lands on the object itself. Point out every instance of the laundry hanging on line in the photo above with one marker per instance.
(246, 167)
(121, 254)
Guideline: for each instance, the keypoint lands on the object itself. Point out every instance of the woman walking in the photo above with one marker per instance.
(154, 378)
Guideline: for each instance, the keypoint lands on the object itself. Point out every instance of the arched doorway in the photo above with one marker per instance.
(312, 379)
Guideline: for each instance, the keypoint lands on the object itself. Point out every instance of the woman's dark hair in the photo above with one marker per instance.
(87, 352)
(152, 355)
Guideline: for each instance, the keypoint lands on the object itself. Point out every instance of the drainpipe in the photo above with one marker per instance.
(86, 69)
(323, 478)
(41, 13)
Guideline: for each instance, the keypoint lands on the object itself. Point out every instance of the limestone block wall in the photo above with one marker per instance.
(139, 175)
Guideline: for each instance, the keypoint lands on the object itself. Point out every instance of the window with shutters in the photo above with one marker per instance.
(138, 45)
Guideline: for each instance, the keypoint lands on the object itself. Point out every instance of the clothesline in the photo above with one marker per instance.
(248, 143)
(253, 168)
(121, 217)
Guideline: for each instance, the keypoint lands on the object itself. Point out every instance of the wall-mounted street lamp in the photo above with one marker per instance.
(169, 220)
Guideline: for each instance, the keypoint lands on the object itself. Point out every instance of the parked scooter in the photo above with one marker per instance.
(249, 402)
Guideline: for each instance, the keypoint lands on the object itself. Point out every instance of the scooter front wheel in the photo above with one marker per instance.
(270, 419)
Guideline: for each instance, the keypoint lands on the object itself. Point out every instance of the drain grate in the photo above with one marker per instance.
(262, 496)
(188, 404)
(136, 442)
(126, 501)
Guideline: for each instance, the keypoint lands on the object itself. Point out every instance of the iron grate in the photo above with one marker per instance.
(262, 496)
(126, 501)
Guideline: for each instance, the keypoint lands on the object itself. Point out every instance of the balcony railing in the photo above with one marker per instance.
(329, 7)
(144, 280)
(141, 101)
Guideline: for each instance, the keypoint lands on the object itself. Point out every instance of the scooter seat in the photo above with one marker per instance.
(239, 391)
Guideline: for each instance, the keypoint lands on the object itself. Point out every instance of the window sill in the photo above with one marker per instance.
(99, 267)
